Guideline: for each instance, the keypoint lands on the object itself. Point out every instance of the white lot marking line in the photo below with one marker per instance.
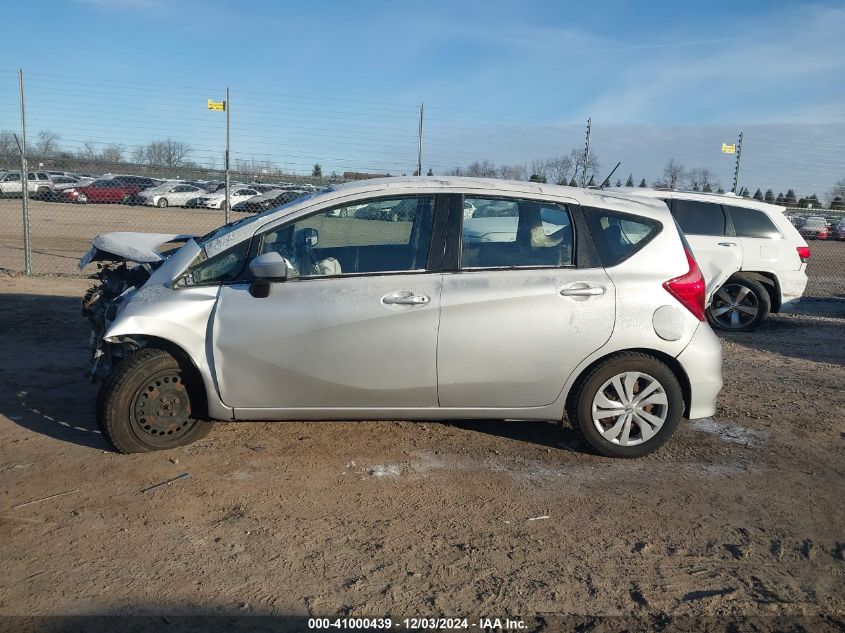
(540, 518)
(58, 494)
(47, 417)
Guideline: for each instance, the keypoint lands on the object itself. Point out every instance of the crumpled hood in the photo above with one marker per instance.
(136, 247)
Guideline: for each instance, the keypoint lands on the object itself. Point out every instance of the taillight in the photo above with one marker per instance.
(803, 253)
(689, 288)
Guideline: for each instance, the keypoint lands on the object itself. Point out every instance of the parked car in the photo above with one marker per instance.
(217, 200)
(101, 190)
(269, 200)
(169, 194)
(386, 210)
(838, 232)
(752, 257)
(815, 228)
(63, 183)
(300, 313)
(140, 182)
(38, 184)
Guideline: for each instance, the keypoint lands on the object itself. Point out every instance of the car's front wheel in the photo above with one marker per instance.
(627, 406)
(147, 405)
(81, 199)
(741, 305)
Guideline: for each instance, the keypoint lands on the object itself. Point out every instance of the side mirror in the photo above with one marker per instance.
(266, 268)
(270, 266)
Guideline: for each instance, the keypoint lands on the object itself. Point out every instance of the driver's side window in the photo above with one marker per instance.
(374, 236)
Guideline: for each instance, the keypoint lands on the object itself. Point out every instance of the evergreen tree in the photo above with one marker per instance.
(744, 192)
(642, 183)
(780, 199)
(537, 178)
(618, 182)
(572, 182)
(630, 181)
(814, 201)
(430, 173)
(770, 196)
(789, 199)
(837, 204)
(802, 203)
(758, 195)
(317, 171)
(720, 190)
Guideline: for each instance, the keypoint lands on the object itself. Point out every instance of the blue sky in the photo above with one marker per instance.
(339, 82)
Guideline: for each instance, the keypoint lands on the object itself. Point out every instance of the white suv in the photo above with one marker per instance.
(752, 257)
(38, 184)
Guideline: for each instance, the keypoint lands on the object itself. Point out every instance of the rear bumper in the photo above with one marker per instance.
(702, 362)
(792, 286)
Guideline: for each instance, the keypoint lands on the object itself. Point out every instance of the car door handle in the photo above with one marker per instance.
(588, 291)
(727, 243)
(405, 298)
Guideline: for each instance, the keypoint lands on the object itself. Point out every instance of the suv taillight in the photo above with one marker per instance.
(689, 288)
(803, 253)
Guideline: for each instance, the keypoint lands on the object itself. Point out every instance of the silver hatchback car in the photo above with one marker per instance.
(540, 303)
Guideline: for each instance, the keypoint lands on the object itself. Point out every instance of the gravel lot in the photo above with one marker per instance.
(739, 516)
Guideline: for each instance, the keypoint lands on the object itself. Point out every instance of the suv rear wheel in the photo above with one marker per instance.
(146, 404)
(741, 305)
(627, 406)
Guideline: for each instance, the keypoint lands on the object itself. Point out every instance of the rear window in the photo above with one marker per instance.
(753, 223)
(619, 235)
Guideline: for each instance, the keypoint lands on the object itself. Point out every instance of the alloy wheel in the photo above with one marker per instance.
(734, 306)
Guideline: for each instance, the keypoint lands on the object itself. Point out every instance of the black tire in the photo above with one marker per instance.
(149, 378)
(757, 297)
(580, 403)
(82, 199)
(162, 203)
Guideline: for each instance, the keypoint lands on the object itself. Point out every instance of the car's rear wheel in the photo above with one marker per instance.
(627, 406)
(147, 404)
(741, 305)
(81, 199)
(162, 203)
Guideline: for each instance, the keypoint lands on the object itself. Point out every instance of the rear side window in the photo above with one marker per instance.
(509, 233)
(753, 223)
(619, 235)
(699, 218)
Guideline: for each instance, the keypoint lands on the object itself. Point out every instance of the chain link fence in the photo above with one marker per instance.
(82, 132)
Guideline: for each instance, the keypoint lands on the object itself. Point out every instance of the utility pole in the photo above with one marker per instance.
(419, 146)
(736, 170)
(586, 153)
(27, 246)
(228, 110)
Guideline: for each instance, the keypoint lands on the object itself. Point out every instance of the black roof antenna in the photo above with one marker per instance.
(605, 181)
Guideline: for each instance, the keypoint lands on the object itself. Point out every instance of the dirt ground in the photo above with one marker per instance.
(741, 516)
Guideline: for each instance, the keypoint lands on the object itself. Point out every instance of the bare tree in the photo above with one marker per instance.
(539, 168)
(673, 174)
(577, 158)
(88, 151)
(481, 169)
(168, 153)
(8, 146)
(112, 153)
(48, 143)
(139, 155)
(702, 179)
(560, 169)
(512, 172)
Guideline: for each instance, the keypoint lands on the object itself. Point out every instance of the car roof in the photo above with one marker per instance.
(409, 185)
(718, 198)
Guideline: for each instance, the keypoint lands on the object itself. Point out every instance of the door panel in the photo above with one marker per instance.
(331, 342)
(509, 338)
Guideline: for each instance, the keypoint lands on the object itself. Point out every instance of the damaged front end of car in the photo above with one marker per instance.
(125, 263)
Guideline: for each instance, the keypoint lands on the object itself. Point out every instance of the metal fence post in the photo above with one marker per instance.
(226, 216)
(27, 245)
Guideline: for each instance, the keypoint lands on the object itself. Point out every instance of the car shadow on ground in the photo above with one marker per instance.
(541, 433)
(797, 336)
(43, 387)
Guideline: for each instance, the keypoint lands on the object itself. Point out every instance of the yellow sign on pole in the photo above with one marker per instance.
(216, 105)
(726, 149)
